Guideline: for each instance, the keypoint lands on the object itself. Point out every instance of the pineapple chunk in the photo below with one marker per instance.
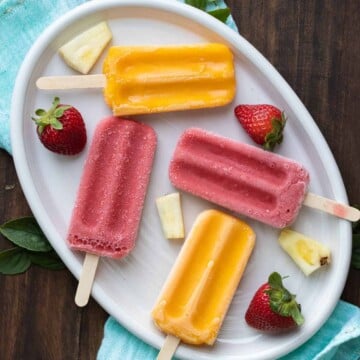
(307, 253)
(82, 52)
(169, 208)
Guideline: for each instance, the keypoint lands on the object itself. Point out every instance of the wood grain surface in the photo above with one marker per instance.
(315, 47)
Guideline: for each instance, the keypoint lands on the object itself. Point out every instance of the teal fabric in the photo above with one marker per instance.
(338, 339)
(21, 22)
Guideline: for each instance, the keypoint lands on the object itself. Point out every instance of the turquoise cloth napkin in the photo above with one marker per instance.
(21, 22)
(338, 339)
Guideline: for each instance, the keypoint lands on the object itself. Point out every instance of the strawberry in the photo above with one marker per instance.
(264, 123)
(61, 129)
(273, 308)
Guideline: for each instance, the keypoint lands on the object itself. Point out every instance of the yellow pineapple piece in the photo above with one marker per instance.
(169, 208)
(306, 252)
(82, 52)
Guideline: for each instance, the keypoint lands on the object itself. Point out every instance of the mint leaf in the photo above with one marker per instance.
(14, 261)
(49, 260)
(200, 4)
(26, 233)
(220, 14)
(32, 248)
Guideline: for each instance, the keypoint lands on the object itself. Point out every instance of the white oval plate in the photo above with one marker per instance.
(127, 289)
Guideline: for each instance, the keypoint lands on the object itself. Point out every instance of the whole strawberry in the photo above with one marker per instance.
(61, 129)
(273, 308)
(264, 123)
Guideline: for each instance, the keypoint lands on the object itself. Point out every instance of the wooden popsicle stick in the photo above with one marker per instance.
(86, 279)
(169, 347)
(332, 207)
(71, 82)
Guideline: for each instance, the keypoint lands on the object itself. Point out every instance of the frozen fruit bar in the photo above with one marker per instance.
(243, 178)
(148, 79)
(199, 289)
(112, 190)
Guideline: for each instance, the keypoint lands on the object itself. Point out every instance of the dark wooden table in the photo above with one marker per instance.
(315, 46)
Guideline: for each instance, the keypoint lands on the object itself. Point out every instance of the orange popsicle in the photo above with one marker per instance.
(147, 79)
(199, 289)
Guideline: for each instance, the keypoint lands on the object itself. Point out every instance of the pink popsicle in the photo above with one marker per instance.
(112, 190)
(243, 178)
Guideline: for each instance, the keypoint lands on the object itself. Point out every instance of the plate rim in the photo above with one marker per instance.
(237, 41)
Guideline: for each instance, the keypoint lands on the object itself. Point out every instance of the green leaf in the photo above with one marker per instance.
(55, 102)
(200, 4)
(26, 233)
(59, 111)
(220, 14)
(49, 260)
(56, 124)
(40, 112)
(33, 248)
(14, 261)
(275, 281)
